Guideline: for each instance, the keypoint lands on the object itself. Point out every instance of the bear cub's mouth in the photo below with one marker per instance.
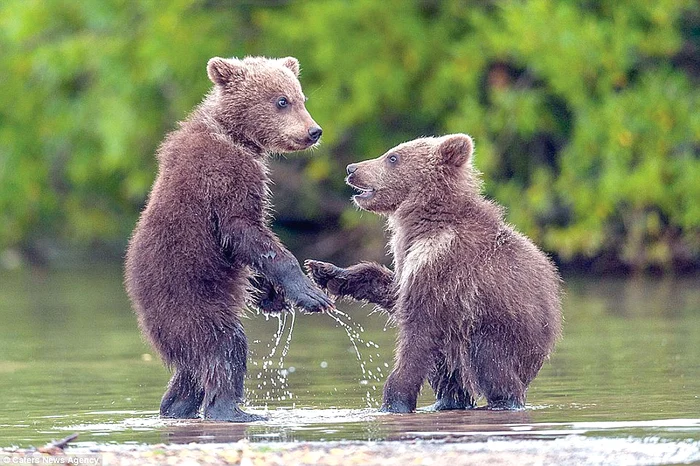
(363, 192)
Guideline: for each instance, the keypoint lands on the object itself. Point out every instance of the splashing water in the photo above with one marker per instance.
(272, 381)
(369, 378)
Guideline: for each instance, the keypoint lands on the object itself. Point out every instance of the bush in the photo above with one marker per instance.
(584, 113)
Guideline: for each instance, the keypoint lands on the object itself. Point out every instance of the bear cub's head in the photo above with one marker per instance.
(424, 168)
(260, 100)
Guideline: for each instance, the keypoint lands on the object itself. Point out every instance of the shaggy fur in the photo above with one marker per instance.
(203, 239)
(476, 303)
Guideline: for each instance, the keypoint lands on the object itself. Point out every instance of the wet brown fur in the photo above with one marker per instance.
(477, 304)
(203, 239)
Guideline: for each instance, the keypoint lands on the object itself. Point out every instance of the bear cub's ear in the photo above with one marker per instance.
(222, 71)
(456, 149)
(291, 63)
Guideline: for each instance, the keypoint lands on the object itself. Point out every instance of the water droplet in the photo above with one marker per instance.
(353, 331)
(277, 376)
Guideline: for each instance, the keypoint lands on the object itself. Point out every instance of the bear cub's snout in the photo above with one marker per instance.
(315, 133)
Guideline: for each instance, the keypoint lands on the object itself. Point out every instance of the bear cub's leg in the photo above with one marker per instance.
(366, 281)
(401, 391)
(447, 385)
(414, 352)
(213, 380)
(183, 398)
(501, 383)
(223, 373)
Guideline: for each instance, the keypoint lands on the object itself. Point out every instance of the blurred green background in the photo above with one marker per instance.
(585, 115)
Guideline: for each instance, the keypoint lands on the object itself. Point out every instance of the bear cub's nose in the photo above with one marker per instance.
(315, 133)
(351, 168)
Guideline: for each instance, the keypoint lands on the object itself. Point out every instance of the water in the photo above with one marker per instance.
(72, 360)
(354, 332)
(271, 378)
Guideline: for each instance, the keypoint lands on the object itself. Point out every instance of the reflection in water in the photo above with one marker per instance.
(72, 359)
(332, 424)
(286, 425)
(203, 432)
(453, 424)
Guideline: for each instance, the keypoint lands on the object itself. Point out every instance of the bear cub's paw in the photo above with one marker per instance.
(303, 293)
(396, 407)
(328, 276)
(266, 297)
(230, 414)
(446, 404)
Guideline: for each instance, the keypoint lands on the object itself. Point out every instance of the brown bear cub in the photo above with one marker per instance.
(476, 303)
(203, 244)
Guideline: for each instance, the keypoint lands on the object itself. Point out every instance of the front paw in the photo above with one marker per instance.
(327, 276)
(266, 297)
(306, 295)
(321, 272)
(273, 303)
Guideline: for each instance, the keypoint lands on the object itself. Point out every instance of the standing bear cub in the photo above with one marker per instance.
(203, 240)
(476, 303)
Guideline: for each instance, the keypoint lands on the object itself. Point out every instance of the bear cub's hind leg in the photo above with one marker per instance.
(500, 383)
(183, 398)
(449, 393)
(223, 375)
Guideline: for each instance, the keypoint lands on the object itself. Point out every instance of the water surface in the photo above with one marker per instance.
(72, 360)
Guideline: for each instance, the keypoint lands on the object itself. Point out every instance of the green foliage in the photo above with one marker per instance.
(584, 113)
(586, 126)
(91, 87)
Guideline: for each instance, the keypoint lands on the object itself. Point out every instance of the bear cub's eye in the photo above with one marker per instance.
(393, 159)
(282, 102)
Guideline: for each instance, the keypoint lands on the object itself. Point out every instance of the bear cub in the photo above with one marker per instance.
(203, 245)
(477, 304)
